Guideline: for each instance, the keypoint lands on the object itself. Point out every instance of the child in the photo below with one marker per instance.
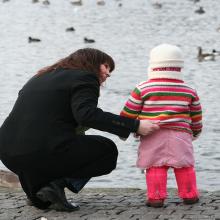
(165, 98)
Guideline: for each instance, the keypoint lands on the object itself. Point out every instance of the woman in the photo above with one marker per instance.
(39, 140)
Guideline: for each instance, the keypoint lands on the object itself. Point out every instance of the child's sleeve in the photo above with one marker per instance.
(196, 116)
(133, 106)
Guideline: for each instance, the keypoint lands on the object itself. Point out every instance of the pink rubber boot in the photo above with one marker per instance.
(186, 182)
(156, 179)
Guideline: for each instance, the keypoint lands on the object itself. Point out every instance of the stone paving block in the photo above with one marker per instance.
(175, 216)
(101, 215)
(181, 207)
(211, 212)
(199, 217)
(144, 217)
(192, 211)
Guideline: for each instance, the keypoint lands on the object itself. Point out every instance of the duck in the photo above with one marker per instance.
(35, 1)
(46, 2)
(70, 29)
(78, 3)
(195, 1)
(157, 5)
(100, 2)
(205, 56)
(200, 10)
(31, 39)
(87, 40)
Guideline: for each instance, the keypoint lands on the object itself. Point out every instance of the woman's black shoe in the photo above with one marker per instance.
(56, 195)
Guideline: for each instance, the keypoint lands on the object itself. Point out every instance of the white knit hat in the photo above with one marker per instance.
(165, 61)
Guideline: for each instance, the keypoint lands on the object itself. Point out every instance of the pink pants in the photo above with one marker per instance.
(156, 178)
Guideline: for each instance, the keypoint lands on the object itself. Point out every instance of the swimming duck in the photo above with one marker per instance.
(79, 3)
(195, 1)
(200, 10)
(31, 39)
(35, 1)
(204, 56)
(87, 40)
(70, 29)
(46, 2)
(100, 2)
(157, 5)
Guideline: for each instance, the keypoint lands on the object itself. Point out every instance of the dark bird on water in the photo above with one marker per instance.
(205, 56)
(31, 39)
(87, 40)
(78, 3)
(195, 1)
(100, 2)
(157, 5)
(70, 29)
(46, 2)
(200, 10)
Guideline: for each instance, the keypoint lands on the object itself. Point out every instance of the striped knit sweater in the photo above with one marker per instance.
(170, 101)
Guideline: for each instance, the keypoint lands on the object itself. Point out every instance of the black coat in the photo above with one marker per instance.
(38, 140)
(50, 107)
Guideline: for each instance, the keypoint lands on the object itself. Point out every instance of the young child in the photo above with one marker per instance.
(165, 98)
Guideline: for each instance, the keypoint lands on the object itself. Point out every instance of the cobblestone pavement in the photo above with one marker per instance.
(114, 203)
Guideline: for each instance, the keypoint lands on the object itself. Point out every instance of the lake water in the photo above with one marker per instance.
(127, 33)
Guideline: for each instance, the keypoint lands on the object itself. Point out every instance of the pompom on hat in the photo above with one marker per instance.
(166, 61)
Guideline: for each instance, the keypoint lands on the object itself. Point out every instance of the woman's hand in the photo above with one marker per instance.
(147, 127)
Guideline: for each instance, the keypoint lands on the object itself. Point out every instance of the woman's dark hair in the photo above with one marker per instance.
(88, 59)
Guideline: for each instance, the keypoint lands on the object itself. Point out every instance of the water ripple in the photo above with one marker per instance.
(127, 33)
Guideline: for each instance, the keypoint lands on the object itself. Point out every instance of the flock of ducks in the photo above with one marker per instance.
(69, 29)
(98, 2)
(200, 10)
(34, 40)
(201, 55)
(76, 2)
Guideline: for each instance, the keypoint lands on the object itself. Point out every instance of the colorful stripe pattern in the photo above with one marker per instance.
(170, 101)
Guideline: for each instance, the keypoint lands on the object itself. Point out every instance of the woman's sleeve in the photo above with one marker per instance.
(133, 106)
(84, 100)
(196, 116)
